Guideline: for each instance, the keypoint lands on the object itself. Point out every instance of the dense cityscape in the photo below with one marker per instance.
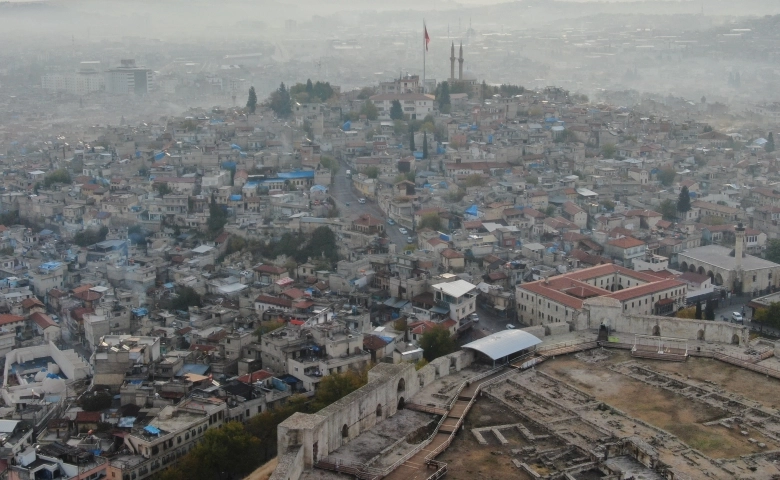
(527, 240)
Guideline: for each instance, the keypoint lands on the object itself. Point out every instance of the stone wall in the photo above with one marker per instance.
(601, 311)
(389, 386)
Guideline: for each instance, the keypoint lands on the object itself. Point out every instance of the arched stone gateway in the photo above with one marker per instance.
(345, 431)
(718, 279)
(684, 266)
(656, 331)
(700, 335)
(401, 385)
(692, 268)
(700, 271)
(711, 275)
(735, 339)
(379, 410)
(401, 403)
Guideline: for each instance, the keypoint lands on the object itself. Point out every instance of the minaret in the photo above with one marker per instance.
(452, 62)
(460, 62)
(739, 244)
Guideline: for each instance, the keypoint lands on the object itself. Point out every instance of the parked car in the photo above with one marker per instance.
(361, 200)
(409, 240)
(736, 317)
(509, 326)
(474, 317)
(403, 231)
(390, 221)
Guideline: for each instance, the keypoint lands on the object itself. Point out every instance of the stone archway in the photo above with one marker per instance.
(656, 331)
(692, 268)
(735, 339)
(700, 335)
(711, 275)
(684, 266)
(379, 410)
(401, 385)
(700, 271)
(401, 403)
(344, 431)
(718, 279)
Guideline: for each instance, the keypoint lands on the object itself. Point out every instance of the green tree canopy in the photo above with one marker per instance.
(369, 110)
(372, 172)
(437, 342)
(769, 316)
(668, 210)
(217, 217)
(425, 146)
(769, 146)
(330, 163)
(432, 221)
(251, 102)
(684, 200)
(163, 189)
(666, 176)
(57, 176)
(280, 101)
(772, 252)
(443, 97)
(608, 150)
(396, 110)
(90, 236)
(185, 297)
(411, 140)
(474, 180)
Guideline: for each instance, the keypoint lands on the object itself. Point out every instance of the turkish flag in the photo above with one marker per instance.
(426, 37)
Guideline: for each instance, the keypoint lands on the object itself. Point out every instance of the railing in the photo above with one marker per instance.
(426, 408)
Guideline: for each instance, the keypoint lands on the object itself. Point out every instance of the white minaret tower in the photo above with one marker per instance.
(739, 244)
(452, 62)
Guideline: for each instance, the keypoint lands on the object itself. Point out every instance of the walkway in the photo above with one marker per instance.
(422, 466)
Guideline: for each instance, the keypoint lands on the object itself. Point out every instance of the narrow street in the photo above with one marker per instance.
(343, 193)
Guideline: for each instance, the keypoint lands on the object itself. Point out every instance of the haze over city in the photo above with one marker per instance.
(328, 239)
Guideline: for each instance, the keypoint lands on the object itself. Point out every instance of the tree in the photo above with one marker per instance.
(770, 143)
(331, 164)
(411, 140)
(95, 401)
(185, 297)
(251, 102)
(608, 150)
(432, 221)
(163, 189)
(365, 93)
(666, 176)
(425, 146)
(709, 310)
(474, 180)
(698, 310)
(772, 252)
(280, 102)
(369, 110)
(689, 313)
(531, 179)
(309, 86)
(684, 200)
(396, 111)
(217, 217)
(437, 342)
(443, 97)
(90, 236)
(668, 210)
(550, 210)
(608, 204)
(57, 176)
(769, 316)
(334, 387)
(372, 172)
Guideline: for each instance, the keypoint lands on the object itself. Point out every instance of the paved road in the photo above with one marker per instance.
(343, 192)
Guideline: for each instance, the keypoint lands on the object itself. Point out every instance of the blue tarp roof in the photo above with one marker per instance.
(473, 210)
(140, 312)
(300, 174)
(234, 146)
(152, 430)
(289, 379)
(235, 198)
(159, 156)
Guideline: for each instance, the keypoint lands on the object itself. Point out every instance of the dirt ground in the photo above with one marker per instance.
(466, 459)
(673, 413)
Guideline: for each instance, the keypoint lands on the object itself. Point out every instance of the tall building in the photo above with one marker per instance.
(86, 80)
(129, 78)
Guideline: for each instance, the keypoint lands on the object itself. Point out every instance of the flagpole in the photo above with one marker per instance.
(425, 47)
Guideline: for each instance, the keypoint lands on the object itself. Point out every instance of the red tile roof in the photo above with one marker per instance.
(626, 242)
(257, 376)
(279, 302)
(7, 318)
(42, 320)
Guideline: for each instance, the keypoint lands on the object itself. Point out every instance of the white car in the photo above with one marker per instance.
(474, 317)
(361, 200)
(736, 317)
(509, 326)
(403, 230)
